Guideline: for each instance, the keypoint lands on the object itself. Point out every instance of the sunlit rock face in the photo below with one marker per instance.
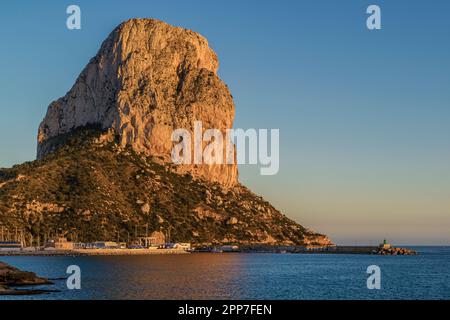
(148, 79)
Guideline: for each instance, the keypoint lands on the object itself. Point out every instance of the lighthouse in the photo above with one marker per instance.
(385, 245)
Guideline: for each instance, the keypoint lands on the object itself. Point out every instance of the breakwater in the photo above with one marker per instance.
(379, 250)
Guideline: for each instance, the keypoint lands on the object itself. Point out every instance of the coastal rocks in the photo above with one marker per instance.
(312, 238)
(148, 79)
(13, 277)
(395, 252)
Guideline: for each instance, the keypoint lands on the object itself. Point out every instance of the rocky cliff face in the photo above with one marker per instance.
(148, 79)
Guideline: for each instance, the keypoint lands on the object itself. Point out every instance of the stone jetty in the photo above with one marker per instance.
(395, 251)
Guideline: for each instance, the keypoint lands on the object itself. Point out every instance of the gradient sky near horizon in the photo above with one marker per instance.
(364, 116)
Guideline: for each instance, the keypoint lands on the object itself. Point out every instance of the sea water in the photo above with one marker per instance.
(246, 276)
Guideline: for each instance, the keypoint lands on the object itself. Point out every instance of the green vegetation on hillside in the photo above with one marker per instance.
(89, 191)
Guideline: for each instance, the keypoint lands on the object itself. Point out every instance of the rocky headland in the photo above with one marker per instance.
(104, 169)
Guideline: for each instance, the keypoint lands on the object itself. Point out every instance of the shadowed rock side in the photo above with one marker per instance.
(104, 169)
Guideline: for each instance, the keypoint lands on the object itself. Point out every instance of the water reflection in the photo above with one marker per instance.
(196, 276)
(246, 276)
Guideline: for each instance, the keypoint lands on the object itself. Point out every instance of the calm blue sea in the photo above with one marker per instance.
(246, 276)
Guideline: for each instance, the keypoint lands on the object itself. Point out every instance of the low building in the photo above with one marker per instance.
(156, 239)
(178, 246)
(385, 245)
(59, 243)
(79, 245)
(229, 248)
(122, 245)
(314, 247)
(10, 246)
(105, 245)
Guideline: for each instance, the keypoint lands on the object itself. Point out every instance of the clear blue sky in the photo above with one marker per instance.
(363, 115)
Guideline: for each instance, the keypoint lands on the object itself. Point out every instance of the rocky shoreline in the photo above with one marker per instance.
(11, 278)
(395, 252)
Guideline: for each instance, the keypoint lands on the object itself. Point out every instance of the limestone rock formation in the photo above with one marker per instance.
(147, 79)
